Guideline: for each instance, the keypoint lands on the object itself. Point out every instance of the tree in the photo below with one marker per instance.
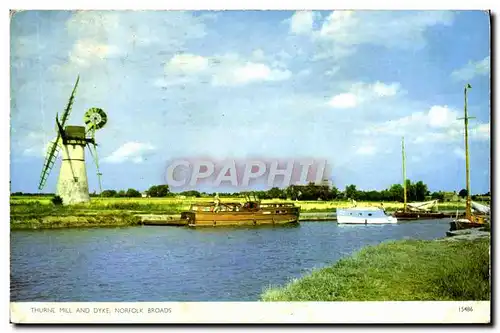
(420, 191)
(396, 192)
(132, 193)
(334, 193)
(462, 193)
(411, 191)
(276, 193)
(437, 196)
(351, 192)
(191, 194)
(293, 191)
(159, 191)
(108, 193)
(121, 193)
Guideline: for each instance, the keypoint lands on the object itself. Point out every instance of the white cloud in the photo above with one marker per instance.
(438, 124)
(138, 28)
(481, 132)
(92, 23)
(302, 22)
(101, 35)
(343, 101)
(472, 69)
(343, 31)
(188, 63)
(382, 89)
(248, 72)
(362, 92)
(87, 51)
(386, 28)
(221, 70)
(337, 24)
(441, 116)
(130, 151)
(366, 150)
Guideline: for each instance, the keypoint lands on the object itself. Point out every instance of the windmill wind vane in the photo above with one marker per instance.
(72, 185)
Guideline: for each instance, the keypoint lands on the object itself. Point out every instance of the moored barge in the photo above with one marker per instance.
(251, 213)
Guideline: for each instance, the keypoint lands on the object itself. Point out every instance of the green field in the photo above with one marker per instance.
(409, 270)
(176, 205)
(38, 212)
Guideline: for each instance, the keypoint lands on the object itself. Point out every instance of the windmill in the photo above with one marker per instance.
(72, 185)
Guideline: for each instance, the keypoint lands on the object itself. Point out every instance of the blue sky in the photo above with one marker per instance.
(344, 86)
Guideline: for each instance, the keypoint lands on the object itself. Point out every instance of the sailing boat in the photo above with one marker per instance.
(481, 215)
(415, 210)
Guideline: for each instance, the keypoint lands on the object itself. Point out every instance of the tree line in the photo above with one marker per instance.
(155, 191)
(417, 191)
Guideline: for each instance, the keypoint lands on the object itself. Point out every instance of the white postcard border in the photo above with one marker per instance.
(387, 312)
(424, 312)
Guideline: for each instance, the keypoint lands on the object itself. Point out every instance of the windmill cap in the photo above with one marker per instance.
(77, 132)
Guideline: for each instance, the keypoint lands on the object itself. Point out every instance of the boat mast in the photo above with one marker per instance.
(467, 171)
(404, 172)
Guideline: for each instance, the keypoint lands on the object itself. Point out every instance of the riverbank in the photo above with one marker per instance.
(75, 220)
(409, 270)
(67, 218)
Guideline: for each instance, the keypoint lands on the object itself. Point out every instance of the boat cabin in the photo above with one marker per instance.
(251, 212)
(364, 215)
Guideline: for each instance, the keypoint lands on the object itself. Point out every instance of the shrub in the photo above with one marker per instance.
(57, 200)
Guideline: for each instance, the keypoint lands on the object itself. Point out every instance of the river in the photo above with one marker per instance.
(155, 263)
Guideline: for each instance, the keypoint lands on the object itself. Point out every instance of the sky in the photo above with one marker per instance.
(339, 86)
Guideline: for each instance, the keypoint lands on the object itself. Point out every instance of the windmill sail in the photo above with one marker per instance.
(50, 158)
(53, 150)
(67, 110)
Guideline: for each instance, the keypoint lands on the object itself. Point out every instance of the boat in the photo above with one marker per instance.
(251, 213)
(420, 210)
(415, 210)
(476, 214)
(364, 215)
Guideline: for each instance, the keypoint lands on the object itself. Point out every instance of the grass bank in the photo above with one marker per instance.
(409, 270)
(119, 219)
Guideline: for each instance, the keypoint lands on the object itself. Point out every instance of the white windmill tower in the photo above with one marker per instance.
(72, 185)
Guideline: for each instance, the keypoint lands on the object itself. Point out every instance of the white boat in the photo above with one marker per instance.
(363, 215)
